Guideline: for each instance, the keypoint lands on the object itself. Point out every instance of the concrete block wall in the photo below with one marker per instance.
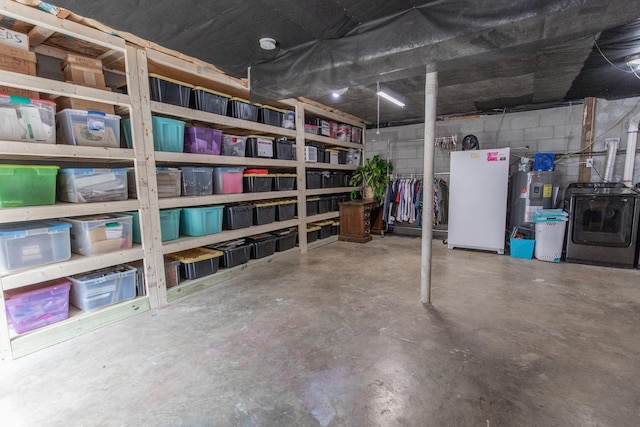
(556, 130)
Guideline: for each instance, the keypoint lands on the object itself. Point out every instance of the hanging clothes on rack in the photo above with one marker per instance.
(404, 203)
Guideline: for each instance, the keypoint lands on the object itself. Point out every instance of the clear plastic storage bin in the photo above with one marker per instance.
(27, 120)
(227, 180)
(37, 305)
(97, 234)
(233, 145)
(197, 181)
(92, 185)
(88, 128)
(33, 243)
(169, 183)
(100, 288)
(201, 140)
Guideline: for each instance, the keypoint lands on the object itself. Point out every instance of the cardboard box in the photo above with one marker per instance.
(65, 102)
(14, 39)
(25, 93)
(85, 76)
(18, 61)
(81, 61)
(17, 53)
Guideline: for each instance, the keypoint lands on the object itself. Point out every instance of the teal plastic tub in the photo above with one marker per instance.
(168, 134)
(169, 225)
(200, 221)
(522, 248)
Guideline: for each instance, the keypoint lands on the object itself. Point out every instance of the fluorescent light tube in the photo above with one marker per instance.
(389, 97)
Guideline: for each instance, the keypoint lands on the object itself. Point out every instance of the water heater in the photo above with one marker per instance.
(530, 191)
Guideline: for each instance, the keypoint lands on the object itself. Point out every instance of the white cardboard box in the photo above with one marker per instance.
(14, 38)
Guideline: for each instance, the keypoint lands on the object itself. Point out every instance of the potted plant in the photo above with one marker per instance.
(373, 176)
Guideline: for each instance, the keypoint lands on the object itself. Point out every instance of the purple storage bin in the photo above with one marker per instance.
(202, 140)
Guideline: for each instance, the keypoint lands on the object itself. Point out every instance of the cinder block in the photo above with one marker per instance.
(509, 136)
(538, 133)
(551, 145)
(525, 121)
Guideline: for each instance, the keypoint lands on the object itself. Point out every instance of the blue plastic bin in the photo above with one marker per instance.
(168, 134)
(522, 248)
(200, 221)
(169, 225)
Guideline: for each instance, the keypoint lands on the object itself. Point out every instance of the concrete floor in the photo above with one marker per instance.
(337, 337)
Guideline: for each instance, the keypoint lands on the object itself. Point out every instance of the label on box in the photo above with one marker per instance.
(265, 147)
(14, 38)
(94, 133)
(95, 124)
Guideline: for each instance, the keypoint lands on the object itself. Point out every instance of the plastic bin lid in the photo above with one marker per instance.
(93, 170)
(256, 171)
(157, 76)
(233, 244)
(246, 101)
(117, 270)
(260, 237)
(335, 223)
(197, 169)
(215, 92)
(266, 203)
(68, 111)
(229, 169)
(313, 199)
(323, 223)
(311, 228)
(24, 100)
(241, 206)
(195, 255)
(284, 175)
(281, 233)
(287, 201)
(271, 108)
(163, 169)
(37, 289)
(36, 168)
(546, 214)
(25, 228)
(261, 137)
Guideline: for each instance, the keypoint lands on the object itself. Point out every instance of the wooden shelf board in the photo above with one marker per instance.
(77, 264)
(329, 166)
(192, 286)
(332, 141)
(332, 190)
(79, 323)
(71, 152)
(205, 159)
(61, 209)
(184, 243)
(221, 199)
(224, 122)
(323, 217)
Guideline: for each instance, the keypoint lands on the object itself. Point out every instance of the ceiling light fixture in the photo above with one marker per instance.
(267, 43)
(338, 92)
(390, 96)
(633, 61)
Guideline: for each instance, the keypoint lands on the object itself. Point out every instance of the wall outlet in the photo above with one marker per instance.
(589, 162)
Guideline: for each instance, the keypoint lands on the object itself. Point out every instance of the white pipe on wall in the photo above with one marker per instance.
(630, 158)
(612, 150)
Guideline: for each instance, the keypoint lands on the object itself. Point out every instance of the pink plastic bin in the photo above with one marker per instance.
(38, 305)
(227, 180)
(202, 140)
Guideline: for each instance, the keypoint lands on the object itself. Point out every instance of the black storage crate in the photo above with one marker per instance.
(321, 153)
(286, 211)
(238, 216)
(197, 262)
(286, 239)
(324, 204)
(169, 91)
(235, 253)
(263, 245)
(335, 228)
(242, 109)
(264, 213)
(312, 234)
(209, 100)
(312, 206)
(327, 179)
(270, 116)
(257, 183)
(336, 200)
(325, 230)
(283, 149)
(284, 181)
(314, 179)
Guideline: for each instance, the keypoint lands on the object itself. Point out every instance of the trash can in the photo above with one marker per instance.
(550, 225)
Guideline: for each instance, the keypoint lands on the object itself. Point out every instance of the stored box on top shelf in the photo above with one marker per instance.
(169, 91)
(264, 245)
(168, 134)
(208, 100)
(243, 109)
(27, 185)
(14, 39)
(104, 287)
(227, 180)
(197, 262)
(83, 70)
(286, 239)
(201, 140)
(264, 213)
(169, 224)
(88, 128)
(236, 252)
(169, 182)
(323, 127)
(33, 243)
(286, 209)
(259, 146)
(201, 220)
(98, 234)
(27, 119)
(197, 181)
(87, 185)
(344, 132)
(257, 180)
(270, 115)
(238, 216)
(37, 305)
(233, 145)
(17, 60)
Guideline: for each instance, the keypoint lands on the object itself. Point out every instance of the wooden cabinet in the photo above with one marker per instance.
(355, 220)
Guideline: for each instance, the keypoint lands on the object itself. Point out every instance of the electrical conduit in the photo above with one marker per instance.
(629, 161)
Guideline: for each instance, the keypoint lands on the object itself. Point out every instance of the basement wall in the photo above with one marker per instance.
(556, 130)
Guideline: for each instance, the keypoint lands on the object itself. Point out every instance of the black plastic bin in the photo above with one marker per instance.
(284, 181)
(335, 228)
(259, 146)
(283, 149)
(286, 239)
(197, 262)
(325, 229)
(312, 206)
(270, 116)
(312, 234)
(264, 213)
(327, 179)
(336, 200)
(169, 91)
(286, 210)
(324, 204)
(208, 100)
(235, 253)
(262, 245)
(256, 182)
(242, 109)
(314, 179)
(237, 216)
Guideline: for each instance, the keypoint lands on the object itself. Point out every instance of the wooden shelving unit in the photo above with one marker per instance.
(135, 63)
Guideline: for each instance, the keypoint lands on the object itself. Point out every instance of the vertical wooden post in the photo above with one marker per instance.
(301, 171)
(586, 138)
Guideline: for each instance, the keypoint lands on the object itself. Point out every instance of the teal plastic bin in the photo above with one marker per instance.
(169, 225)
(168, 134)
(200, 221)
(522, 248)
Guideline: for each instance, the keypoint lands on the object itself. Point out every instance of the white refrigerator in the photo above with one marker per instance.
(478, 187)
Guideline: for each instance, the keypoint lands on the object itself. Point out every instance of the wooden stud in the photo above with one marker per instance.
(586, 138)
